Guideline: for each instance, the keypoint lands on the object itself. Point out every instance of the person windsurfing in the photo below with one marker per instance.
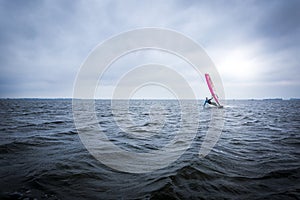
(207, 100)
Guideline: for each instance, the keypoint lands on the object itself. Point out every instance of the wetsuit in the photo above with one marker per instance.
(209, 102)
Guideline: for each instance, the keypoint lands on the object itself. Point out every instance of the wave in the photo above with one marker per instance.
(256, 156)
(54, 122)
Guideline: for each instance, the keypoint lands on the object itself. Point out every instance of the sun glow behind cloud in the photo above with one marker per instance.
(239, 64)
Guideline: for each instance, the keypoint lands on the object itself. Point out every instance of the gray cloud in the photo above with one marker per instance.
(43, 43)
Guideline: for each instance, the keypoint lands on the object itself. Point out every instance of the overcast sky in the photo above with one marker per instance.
(255, 45)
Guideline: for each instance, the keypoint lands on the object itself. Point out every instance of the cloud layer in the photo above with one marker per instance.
(254, 44)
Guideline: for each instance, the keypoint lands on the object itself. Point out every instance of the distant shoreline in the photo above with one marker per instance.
(59, 98)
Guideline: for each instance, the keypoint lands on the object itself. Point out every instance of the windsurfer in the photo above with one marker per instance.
(207, 100)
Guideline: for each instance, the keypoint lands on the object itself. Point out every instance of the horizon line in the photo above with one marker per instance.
(70, 98)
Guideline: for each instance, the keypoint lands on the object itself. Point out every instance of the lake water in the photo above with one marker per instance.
(257, 155)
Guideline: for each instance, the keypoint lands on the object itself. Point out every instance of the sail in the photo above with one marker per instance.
(212, 89)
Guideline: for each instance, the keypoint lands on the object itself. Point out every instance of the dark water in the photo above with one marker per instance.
(256, 157)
